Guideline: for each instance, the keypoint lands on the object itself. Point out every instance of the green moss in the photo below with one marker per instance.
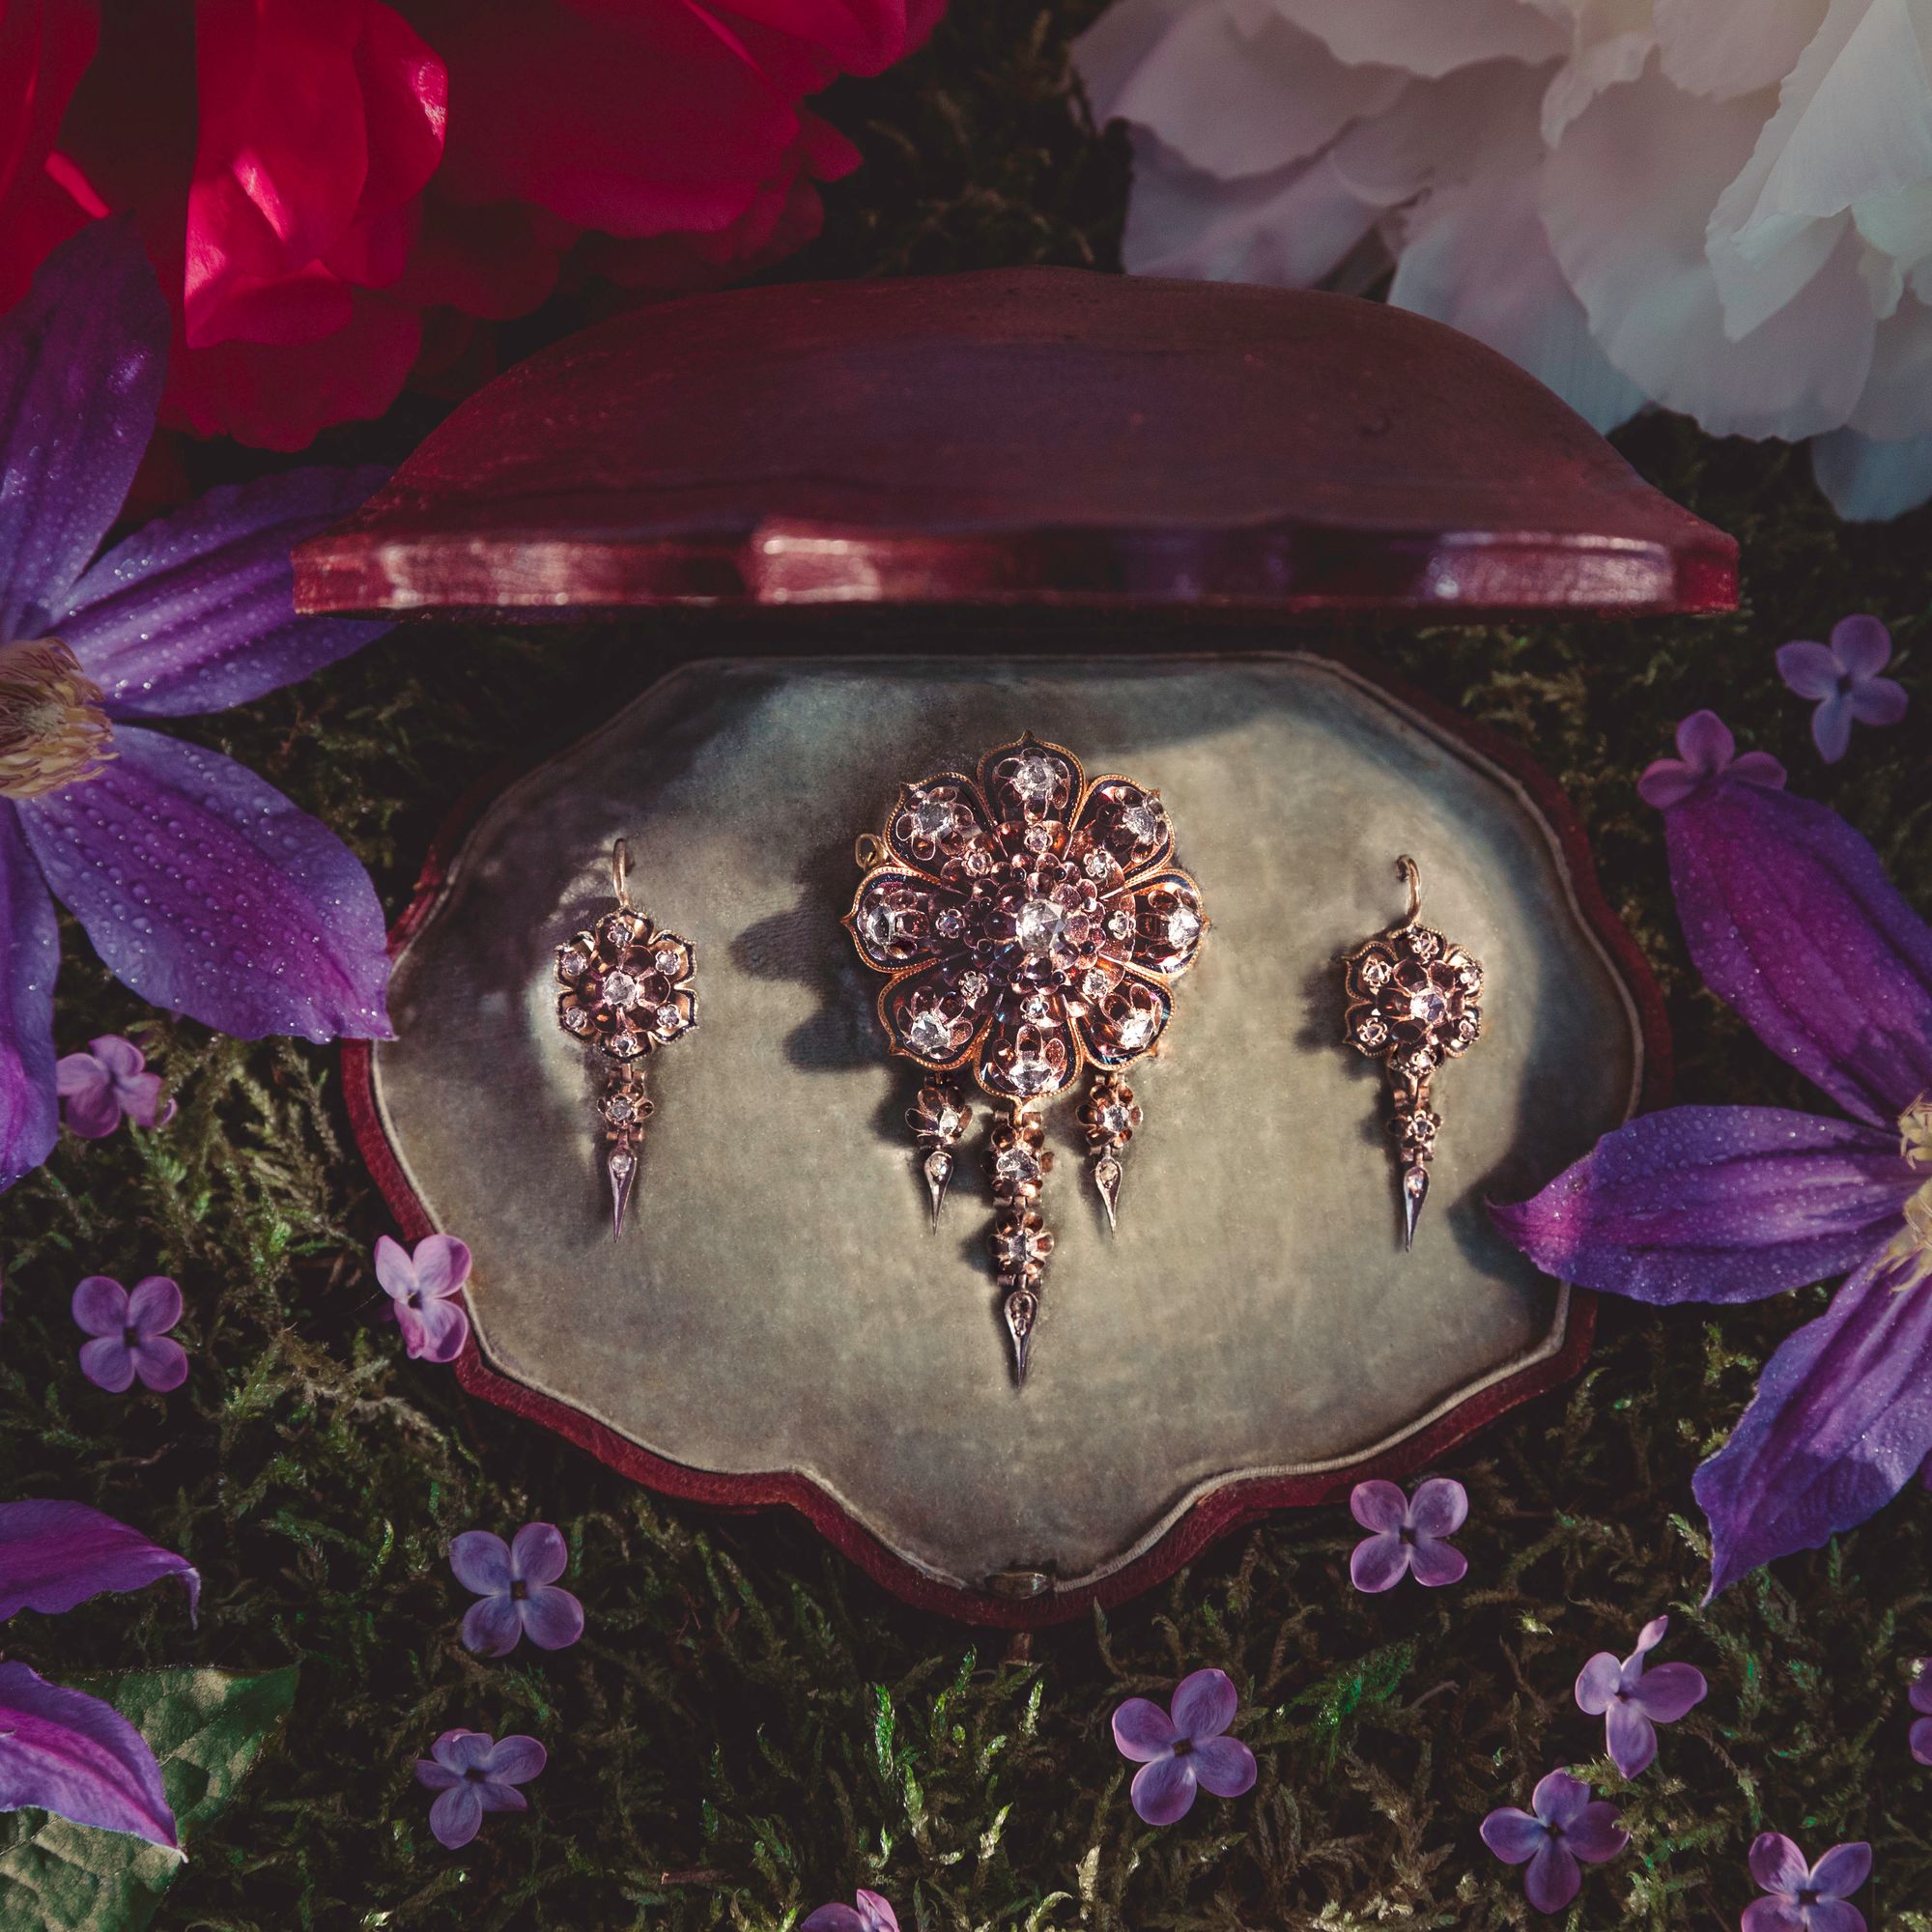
(748, 1727)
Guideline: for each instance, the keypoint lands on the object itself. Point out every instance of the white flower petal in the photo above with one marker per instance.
(1107, 55)
(1722, 49)
(1598, 63)
(1626, 201)
(1898, 398)
(1899, 225)
(1868, 481)
(1429, 38)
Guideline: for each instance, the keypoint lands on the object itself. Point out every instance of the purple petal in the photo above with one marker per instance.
(1811, 669)
(54, 1555)
(155, 1306)
(80, 1073)
(1597, 1833)
(119, 1055)
(1834, 1915)
(1224, 1765)
(1163, 1790)
(1773, 1915)
(1843, 1869)
(74, 1755)
(1715, 1203)
(875, 1915)
(29, 955)
(195, 612)
(441, 1265)
(1861, 645)
(434, 1777)
(456, 1815)
(1598, 1684)
(1434, 1563)
(514, 1760)
(100, 1306)
(1650, 1636)
(1559, 1799)
(1704, 741)
(1920, 1738)
(482, 1562)
(492, 1627)
(1377, 1563)
(1440, 1507)
(1832, 727)
(1143, 1731)
(1378, 1505)
(834, 1919)
(1204, 1703)
(161, 1361)
(94, 1111)
(552, 1617)
(140, 1101)
(1841, 1420)
(1667, 1691)
(108, 1363)
(1552, 1878)
(1513, 1835)
(1777, 1864)
(1918, 1693)
(394, 1270)
(434, 1332)
(1791, 920)
(462, 1751)
(205, 890)
(1667, 782)
(1629, 1737)
(539, 1553)
(82, 363)
(497, 1795)
(1879, 700)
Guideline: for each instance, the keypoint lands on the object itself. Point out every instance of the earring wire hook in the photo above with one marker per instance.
(620, 867)
(1407, 870)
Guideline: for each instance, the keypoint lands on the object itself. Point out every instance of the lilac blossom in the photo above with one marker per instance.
(870, 1915)
(65, 1751)
(1843, 677)
(107, 1083)
(1791, 920)
(201, 890)
(516, 1586)
(1632, 1701)
(423, 1287)
(472, 1772)
(1919, 1695)
(1184, 1747)
(1705, 751)
(1563, 1823)
(1805, 1898)
(1408, 1534)
(130, 1333)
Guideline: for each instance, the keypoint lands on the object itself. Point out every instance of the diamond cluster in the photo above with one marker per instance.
(626, 987)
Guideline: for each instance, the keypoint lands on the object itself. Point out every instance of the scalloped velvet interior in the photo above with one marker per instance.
(777, 1302)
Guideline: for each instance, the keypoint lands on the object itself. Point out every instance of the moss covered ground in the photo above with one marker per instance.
(748, 1727)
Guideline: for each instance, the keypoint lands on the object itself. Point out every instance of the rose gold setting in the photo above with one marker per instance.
(1413, 1002)
(627, 993)
(1030, 923)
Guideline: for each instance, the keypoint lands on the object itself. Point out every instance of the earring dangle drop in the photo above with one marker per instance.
(1412, 1003)
(627, 992)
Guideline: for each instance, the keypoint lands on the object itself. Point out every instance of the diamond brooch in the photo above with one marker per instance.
(627, 992)
(1029, 924)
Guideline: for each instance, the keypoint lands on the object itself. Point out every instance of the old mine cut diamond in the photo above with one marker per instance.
(1039, 926)
(1143, 822)
(1016, 1167)
(1429, 1006)
(621, 991)
(572, 964)
(1183, 928)
(932, 819)
(1035, 776)
(928, 1033)
(1133, 1030)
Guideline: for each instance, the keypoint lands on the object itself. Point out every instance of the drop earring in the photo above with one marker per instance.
(1412, 1004)
(627, 991)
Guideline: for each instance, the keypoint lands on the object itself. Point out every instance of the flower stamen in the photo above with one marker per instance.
(1908, 1259)
(53, 723)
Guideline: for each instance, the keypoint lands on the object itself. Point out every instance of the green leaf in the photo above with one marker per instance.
(205, 1727)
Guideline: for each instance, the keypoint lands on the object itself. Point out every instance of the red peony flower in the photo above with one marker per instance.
(332, 190)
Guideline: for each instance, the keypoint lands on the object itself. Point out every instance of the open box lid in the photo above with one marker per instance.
(1019, 437)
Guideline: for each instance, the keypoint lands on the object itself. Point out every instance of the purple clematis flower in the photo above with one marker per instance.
(472, 1772)
(1184, 1747)
(422, 1288)
(1919, 1697)
(202, 888)
(1705, 751)
(871, 1914)
(1563, 1823)
(1843, 678)
(106, 1082)
(60, 1749)
(1805, 1898)
(1634, 1702)
(516, 1587)
(1409, 1535)
(130, 1333)
(1791, 920)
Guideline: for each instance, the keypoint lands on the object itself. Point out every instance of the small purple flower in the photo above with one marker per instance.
(130, 1333)
(1919, 1697)
(1843, 677)
(1705, 750)
(1563, 1825)
(107, 1080)
(471, 1772)
(515, 1584)
(422, 1288)
(1805, 1898)
(1409, 1536)
(1184, 1747)
(872, 1915)
(1633, 1703)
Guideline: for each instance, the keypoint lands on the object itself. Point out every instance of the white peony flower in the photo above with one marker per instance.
(1720, 206)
